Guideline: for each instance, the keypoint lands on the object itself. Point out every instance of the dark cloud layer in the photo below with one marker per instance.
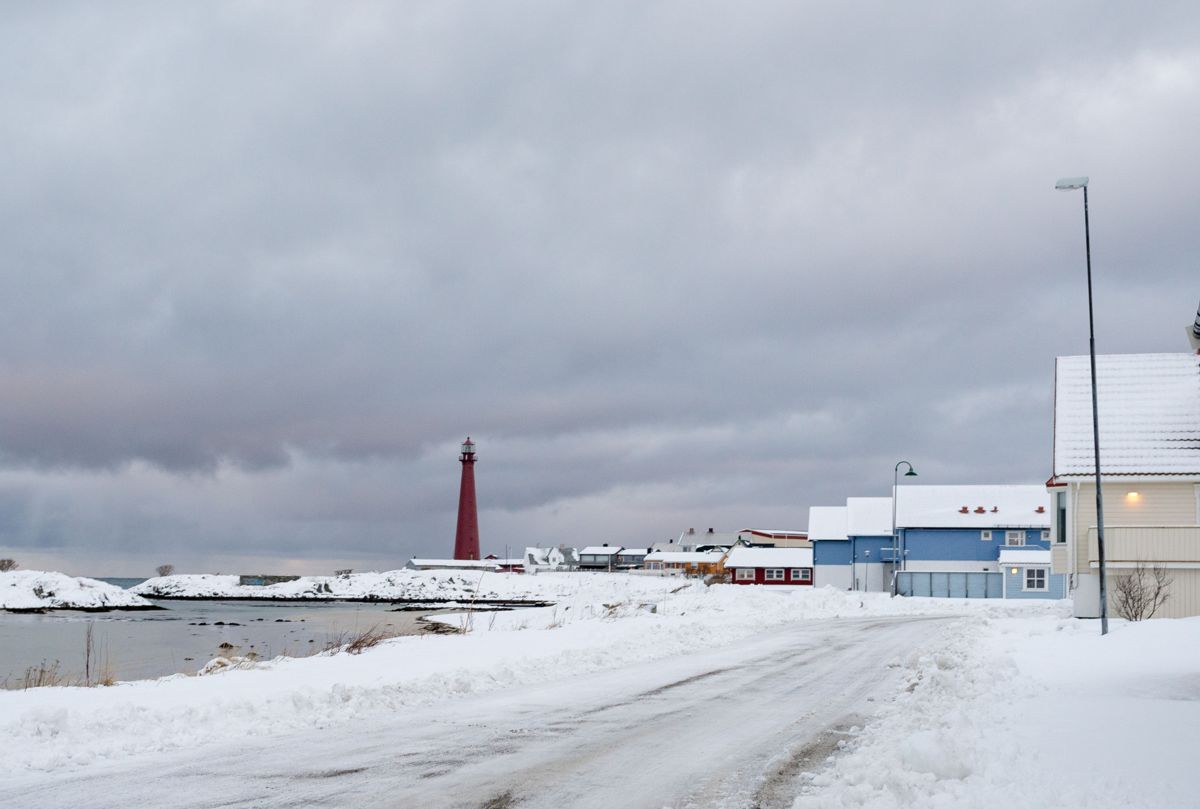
(672, 264)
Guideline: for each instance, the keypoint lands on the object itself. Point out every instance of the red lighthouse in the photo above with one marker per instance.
(466, 538)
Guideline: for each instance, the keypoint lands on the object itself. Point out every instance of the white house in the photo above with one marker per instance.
(1150, 462)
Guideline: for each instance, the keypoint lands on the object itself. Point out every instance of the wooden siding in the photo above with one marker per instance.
(1146, 544)
(1184, 601)
(1160, 503)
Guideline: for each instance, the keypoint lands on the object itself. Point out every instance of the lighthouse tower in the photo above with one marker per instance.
(466, 538)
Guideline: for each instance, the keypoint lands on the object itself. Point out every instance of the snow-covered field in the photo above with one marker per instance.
(598, 622)
(38, 590)
(1003, 703)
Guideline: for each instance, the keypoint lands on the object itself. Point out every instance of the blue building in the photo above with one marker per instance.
(962, 535)
(949, 541)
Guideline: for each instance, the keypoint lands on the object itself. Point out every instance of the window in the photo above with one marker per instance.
(774, 574)
(745, 574)
(1035, 578)
(1045, 535)
(1014, 537)
(1060, 516)
(986, 536)
(801, 574)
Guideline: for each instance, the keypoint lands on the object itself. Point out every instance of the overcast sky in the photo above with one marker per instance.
(671, 265)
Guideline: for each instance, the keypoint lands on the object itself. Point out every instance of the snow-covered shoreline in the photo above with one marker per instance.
(593, 627)
(433, 587)
(44, 591)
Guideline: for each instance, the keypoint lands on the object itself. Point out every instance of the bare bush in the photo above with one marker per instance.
(357, 643)
(39, 676)
(7, 565)
(1139, 593)
(343, 573)
(165, 570)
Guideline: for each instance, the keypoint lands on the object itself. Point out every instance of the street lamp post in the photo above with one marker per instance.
(911, 473)
(1072, 184)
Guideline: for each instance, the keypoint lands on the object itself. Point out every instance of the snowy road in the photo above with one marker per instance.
(730, 727)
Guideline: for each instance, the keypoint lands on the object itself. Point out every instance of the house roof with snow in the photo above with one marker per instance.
(827, 522)
(1038, 556)
(634, 551)
(450, 564)
(773, 533)
(988, 506)
(868, 516)
(769, 557)
(725, 539)
(599, 550)
(1149, 415)
(693, 557)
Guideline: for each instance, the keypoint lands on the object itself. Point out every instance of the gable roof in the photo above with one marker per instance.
(769, 557)
(1149, 415)
(869, 516)
(941, 506)
(598, 550)
(827, 522)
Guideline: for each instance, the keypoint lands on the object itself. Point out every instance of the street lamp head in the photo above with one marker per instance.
(1071, 183)
(911, 473)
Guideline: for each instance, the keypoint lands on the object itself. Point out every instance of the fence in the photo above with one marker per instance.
(950, 585)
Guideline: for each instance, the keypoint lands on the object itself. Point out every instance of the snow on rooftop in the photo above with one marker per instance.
(687, 557)
(1024, 557)
(1149, 415)
(769, 557)
(827, 522)
(1003, 506)
(470, 564)
(599, 550)
(869, 516)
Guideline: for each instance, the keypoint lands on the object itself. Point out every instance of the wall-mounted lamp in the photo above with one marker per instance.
(1013, 571)
(1132, 497)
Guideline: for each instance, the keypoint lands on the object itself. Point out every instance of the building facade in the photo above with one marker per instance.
(1150, 462)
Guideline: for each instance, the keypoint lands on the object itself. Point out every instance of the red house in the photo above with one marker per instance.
(771, 565)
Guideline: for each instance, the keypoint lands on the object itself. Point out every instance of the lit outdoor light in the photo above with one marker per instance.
(1133, 497)
(1013, 571)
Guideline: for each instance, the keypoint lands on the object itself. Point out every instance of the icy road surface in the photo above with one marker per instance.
(730, 727)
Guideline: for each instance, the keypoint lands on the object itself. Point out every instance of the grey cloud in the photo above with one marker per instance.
(737, 259)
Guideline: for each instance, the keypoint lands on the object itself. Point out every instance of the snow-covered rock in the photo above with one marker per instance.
(413, 585)
(41, 590)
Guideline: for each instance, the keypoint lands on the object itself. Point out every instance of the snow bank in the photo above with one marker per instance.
(1033, 712)
(39, 590)
(434, 585)
(598, 627)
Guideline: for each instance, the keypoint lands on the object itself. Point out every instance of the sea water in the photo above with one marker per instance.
(184, 635)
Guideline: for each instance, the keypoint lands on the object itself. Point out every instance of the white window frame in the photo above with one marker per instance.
(774, 574)
(1045, 577)
(801, 574)
(744, 574)
(1014, 538)
(1046, 535)
(985, 536)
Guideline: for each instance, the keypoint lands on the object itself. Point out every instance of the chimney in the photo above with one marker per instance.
(1041, 509)
(980, 510)
(963, 510)
(710, 530)
(995, 509)
(1194, 333)
(691, 530)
